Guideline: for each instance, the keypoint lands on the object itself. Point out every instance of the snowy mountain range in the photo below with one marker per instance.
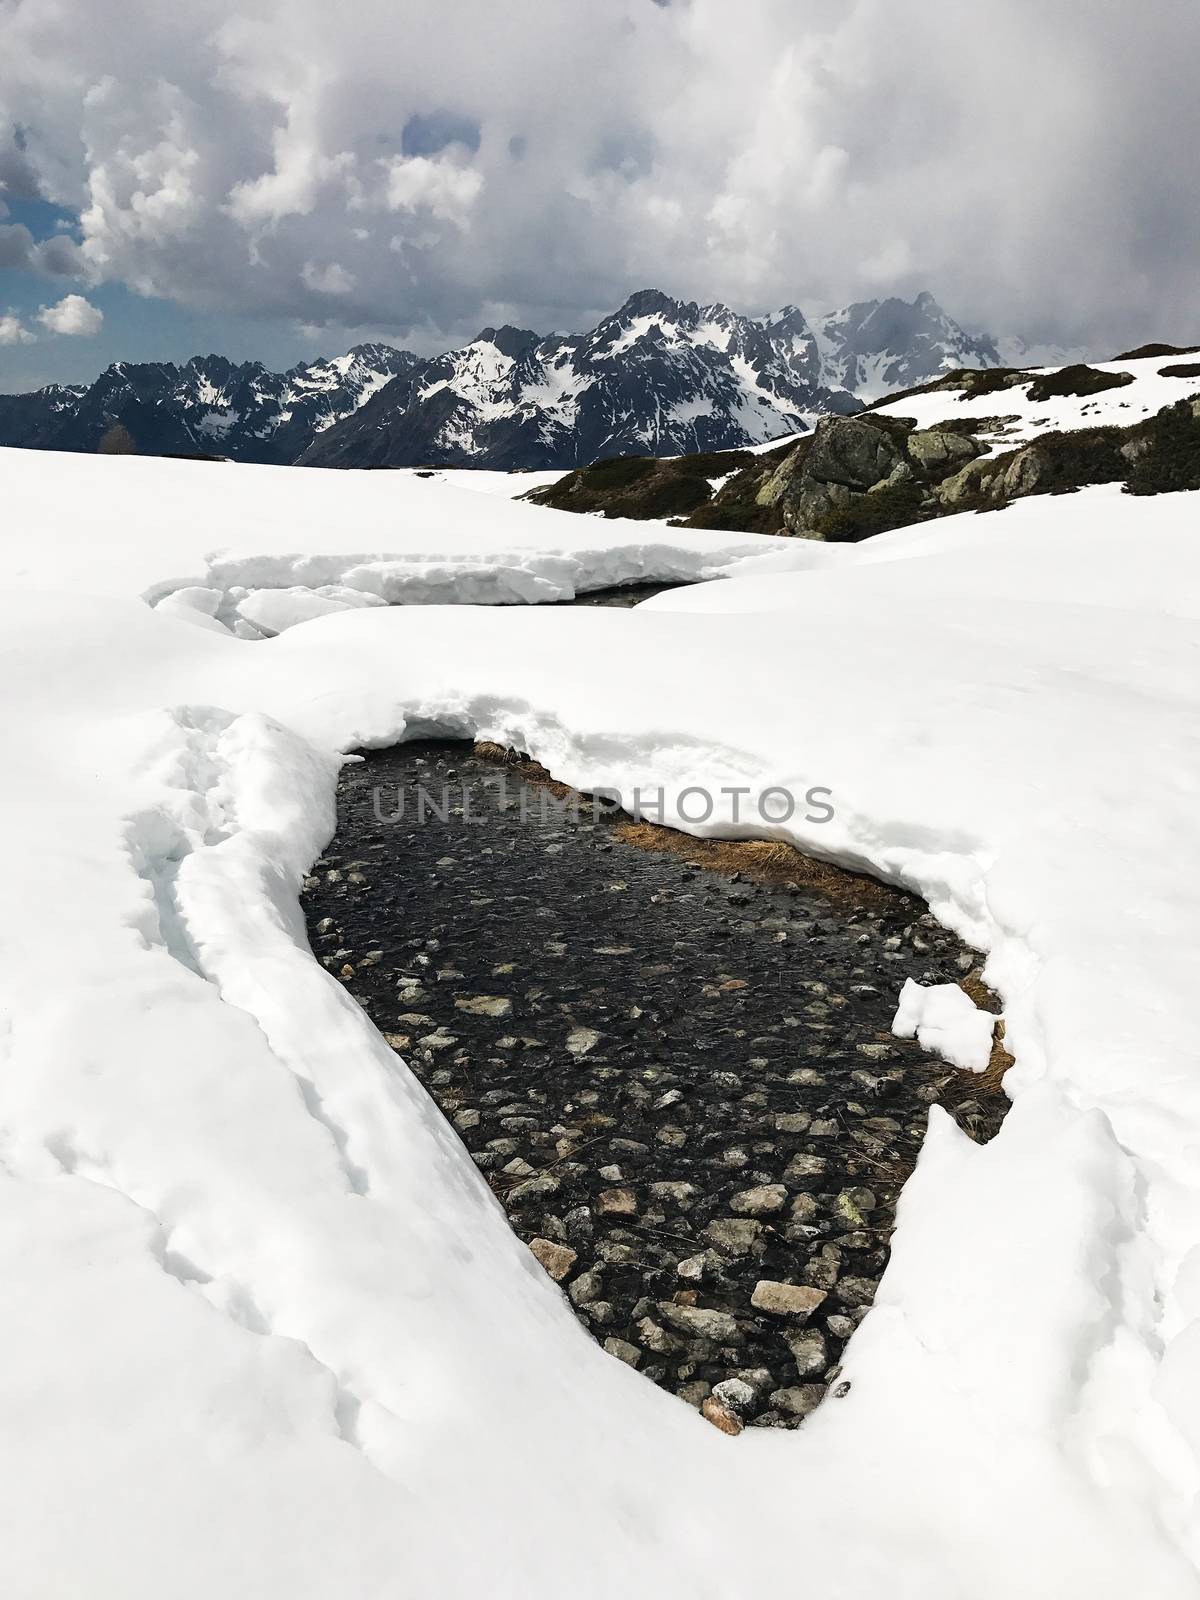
(208, 406)
(660, 377)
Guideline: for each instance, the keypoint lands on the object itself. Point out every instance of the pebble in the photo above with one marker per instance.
(558, 1259)
(736, 1236)
(736, 1394)
(799, 1400)
(485, 1005)
(761, 1201)
(623, 1350)
(721, 1416)
(795, 1300)
(701, 1322)
(809, 1352)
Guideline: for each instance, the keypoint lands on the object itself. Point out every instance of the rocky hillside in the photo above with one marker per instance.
(967, 441)
(658, 377)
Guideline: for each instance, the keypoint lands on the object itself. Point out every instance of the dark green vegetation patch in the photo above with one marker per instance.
(641, 487)
(1145, 351)
(1076, 380)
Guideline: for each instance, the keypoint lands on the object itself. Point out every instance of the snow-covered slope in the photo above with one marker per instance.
(875, 346)
(267, 1335)
(1141, 388)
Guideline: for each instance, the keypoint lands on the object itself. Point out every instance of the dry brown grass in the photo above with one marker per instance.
(763, 861)
(530, 771)
(488, 750)
(760, 860)
(991, 1080)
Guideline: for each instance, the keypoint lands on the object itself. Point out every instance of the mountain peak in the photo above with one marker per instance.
(510, 341)
(651, 303)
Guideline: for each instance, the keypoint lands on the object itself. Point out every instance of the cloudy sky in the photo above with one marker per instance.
(279, 178)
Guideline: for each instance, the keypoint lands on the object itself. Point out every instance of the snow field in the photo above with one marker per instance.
(267, 1332)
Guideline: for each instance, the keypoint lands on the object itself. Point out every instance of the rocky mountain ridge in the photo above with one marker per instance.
(659, 376)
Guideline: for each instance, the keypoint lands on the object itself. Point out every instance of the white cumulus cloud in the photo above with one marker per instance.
(13, 330)
(72, 315)
(533, 162)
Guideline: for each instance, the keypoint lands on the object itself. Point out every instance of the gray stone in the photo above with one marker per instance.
(808, 1352)
(803, 1168)
(850, 452)
(759, 1379)
(939, 453)
(533, 1187)
(624, 1351)
(485, 1005)
(799, 1400)
(795, 1300)
(656, 1338)
(581, 1040)
(855, 1291)
(735, 1236)
(761, 1201)
(792, 1122)
(587, 1286)
(680, 1195)
(558, 1259)
(804, 1208)
(736, 1394)
(854, 1206)
(700, 1322)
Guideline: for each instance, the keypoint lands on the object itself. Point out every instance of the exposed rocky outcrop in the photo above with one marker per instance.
(1157, 456)
(852, 476)
(857, 476)
(642, 486)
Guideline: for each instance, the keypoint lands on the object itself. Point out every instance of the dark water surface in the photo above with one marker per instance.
(680, 1082)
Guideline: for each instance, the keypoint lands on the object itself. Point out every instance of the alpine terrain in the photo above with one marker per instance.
(658, 377)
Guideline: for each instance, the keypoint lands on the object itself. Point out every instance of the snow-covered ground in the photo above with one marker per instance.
(266, 1333)
(1118, 407)
(196, 538)
(508, 485)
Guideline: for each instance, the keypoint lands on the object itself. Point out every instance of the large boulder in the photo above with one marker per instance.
(937, 452)
(852, 453)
